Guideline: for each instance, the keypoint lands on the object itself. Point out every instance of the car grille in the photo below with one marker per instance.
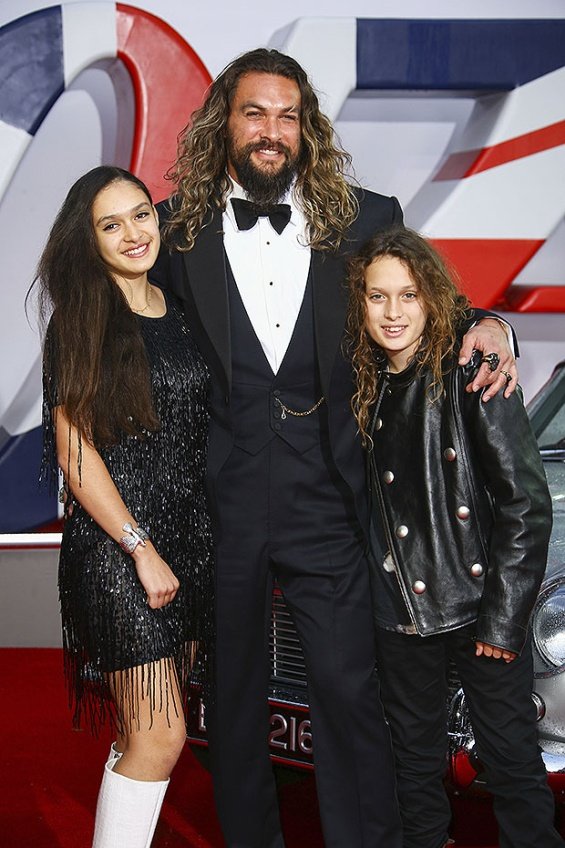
(287, 659)
(453, 681)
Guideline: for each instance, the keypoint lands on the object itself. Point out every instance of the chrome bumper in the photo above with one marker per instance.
(464, 764)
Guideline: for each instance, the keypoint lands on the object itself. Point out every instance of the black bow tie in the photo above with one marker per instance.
(246, 214)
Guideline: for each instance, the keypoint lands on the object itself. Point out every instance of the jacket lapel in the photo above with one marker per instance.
(330, 306)
(206, 272)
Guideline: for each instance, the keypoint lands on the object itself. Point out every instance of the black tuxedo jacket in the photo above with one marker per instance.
(198, 278)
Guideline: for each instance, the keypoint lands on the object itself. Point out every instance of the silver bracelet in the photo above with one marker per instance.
(136, 536)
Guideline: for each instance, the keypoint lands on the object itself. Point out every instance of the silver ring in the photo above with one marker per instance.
(492, 360)
(507, 375)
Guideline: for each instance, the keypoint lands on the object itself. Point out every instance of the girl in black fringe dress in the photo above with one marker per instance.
(125, 397)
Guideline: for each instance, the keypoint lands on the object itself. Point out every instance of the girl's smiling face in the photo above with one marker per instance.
(395, 315)
(126, 230)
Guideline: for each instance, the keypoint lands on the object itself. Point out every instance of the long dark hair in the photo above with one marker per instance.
(200, 172)
(94, 355)
(446, 308)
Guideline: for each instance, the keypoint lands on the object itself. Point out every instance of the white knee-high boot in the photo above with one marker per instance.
(127, 810)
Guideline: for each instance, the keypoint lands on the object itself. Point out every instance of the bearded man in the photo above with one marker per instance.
(263, 285)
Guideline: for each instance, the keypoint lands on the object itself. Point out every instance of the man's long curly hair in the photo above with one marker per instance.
(446, 308)
(94, 356)
(200, 172)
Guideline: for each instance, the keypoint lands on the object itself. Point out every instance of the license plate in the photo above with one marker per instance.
(290, 733)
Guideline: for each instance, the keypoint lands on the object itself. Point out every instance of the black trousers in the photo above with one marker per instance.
(282, 514)
(413, 672)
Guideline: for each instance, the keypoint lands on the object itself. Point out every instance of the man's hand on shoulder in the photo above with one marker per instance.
(498, 370)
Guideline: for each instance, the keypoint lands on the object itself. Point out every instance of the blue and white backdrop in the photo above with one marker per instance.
(456, 108)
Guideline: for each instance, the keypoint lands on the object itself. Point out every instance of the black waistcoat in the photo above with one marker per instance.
(257, 393)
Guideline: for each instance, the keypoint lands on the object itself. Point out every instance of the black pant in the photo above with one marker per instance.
(282, 514)
(413, 673)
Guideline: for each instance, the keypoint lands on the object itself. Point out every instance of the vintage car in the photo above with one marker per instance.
(290, 736)
(547, 414)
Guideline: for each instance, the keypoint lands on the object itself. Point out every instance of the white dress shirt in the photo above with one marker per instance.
(270, 272)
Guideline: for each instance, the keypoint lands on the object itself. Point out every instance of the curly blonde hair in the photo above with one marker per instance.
(446, 308)
(200, 171)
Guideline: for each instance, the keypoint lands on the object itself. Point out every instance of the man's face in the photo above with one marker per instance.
(264, 135)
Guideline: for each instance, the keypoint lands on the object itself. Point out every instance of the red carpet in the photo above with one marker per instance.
(50, 773)
(50, 776)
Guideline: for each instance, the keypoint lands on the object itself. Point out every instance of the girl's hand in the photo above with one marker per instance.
(484, 649)
(155, 576)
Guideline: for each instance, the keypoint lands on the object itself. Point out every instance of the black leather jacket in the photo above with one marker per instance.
(465, 505)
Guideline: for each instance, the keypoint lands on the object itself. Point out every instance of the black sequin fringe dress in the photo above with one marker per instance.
(107, 624)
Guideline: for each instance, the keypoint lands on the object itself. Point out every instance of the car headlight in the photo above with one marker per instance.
(548, 625)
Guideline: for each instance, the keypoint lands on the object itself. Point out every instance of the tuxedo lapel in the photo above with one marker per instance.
(330, 306)
(205, 268)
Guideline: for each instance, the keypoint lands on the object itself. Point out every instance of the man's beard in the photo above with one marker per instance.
(264, 186)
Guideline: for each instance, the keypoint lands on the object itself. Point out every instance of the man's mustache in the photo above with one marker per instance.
(277, 146)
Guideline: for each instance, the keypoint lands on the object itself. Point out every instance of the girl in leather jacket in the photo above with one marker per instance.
(459, 542)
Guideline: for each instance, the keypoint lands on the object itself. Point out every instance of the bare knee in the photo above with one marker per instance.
(152, 754)
(172, 742)
(150, 705)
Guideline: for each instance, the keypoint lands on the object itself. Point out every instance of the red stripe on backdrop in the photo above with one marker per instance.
(487, 267)
(169, 82)
(540, 299)
(468, 162)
